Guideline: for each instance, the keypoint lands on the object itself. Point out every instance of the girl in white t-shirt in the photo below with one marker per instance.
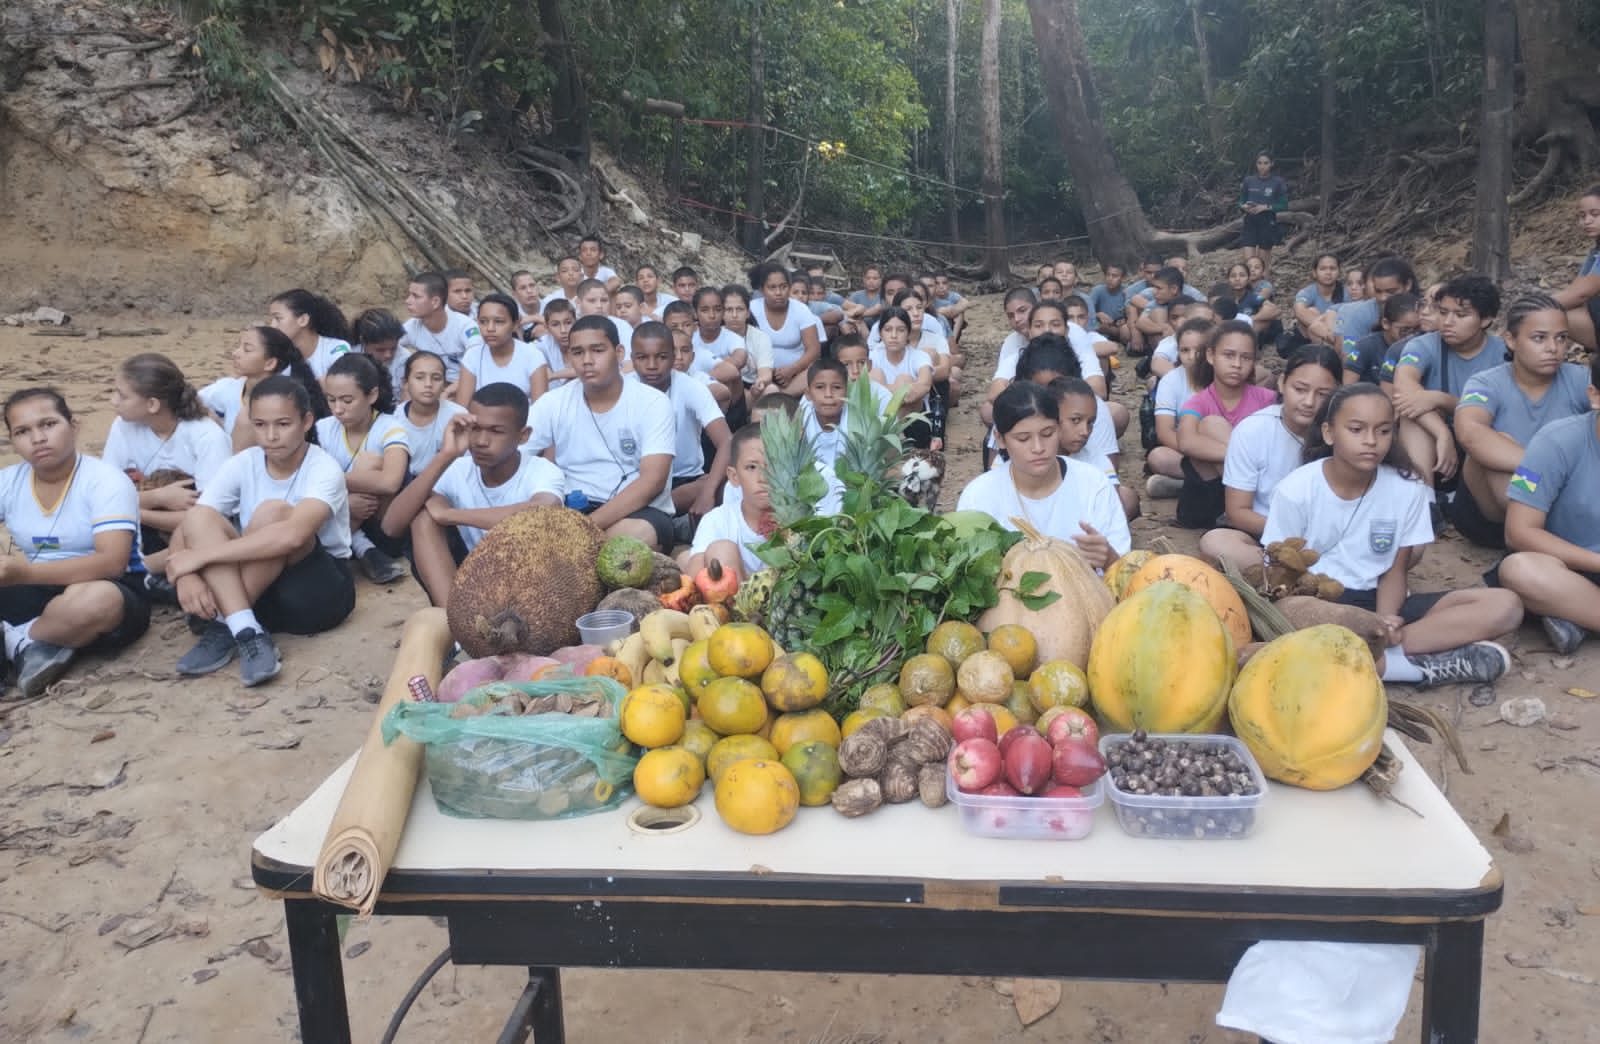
(314, 324)
(262, 352)
(1085, 435)
(793, 330)
(286, 565)
(757, 375)
(1358, 504)
(1059, 497)
(370, 444)
(1175, 387)
(1266, 446)
(75, 579)
(502, 359)
(376, 333)
(896, 365)
(425, 414)
(165, 441)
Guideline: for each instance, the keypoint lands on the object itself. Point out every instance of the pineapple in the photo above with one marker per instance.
(872, 446)
(793, 481)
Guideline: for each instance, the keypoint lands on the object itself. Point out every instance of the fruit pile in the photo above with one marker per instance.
(1025, 762)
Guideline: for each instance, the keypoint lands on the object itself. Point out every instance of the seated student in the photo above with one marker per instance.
(1049, 358)
(627, 306)
(286, 567)
(851, 351)
(1227, 396)
(612, 439)
(1175, 387)
(1050, 289)
(927, 334)
(817, 270)
(314, 324)
(435, 328)
(530, 318)
(1108, 305)
(950, 307)
(861, 308)
(730, 534)
(500, 357)
(76, 581)
(695, 414)
(1553, 525)
(1147, 271)
(1260, 312)
(1147, 312)
(569, 274)
(1581, 297)
(1355, 285)
(795, 333)
(1079, 317)
(376, 334)
(685, 281)
(1259, 283)
(478, 478)
(1434, 369)
(819, 300)
(262, 352)
(823, 409)
(679, 317)
(1163, 358)
(592, 258)
(756, 375)
(1059, 497)
(1503, 407)
(1080, 408)
(683, 361)
(558, 319)
(1017, 306)
(372, 447)
(1353, 320)
(460, 296)
(712, 341)
(161, 425)
(648, 280)
(897, 365)
(425, 413)
(1363, 360)
(1050, 317)
(1358, 504)
(1046, 271)
(1265, 447)
(595, 299)
(1313, 305)
(1427, 322)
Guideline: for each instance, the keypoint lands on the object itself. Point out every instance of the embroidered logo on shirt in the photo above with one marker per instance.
(1381, 534)
(1474, 398)
(1410, 359)
(46, 543)
(1525, 480)
(628, 444)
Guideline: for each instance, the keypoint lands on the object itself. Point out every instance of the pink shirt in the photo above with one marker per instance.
(1206, 403)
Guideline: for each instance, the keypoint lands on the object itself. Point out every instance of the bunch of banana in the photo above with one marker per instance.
(652, 653)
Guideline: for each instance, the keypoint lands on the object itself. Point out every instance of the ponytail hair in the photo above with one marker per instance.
(1317, 447)
(326, 319)
(1021, 400)
(369, 377)
(375, 326)
(294, 391)
(293, 365)
(1526, 305)
(154, 376)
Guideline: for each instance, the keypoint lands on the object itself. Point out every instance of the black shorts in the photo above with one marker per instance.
(1201, 502)
(24, 602)
(1414, 608)
(1491, 576)
(1463, 512)
(659, 521)
(311, 596)
(1261, 230)
(685, 480)
(152, 540)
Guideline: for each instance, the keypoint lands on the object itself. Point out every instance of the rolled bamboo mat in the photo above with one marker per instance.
(366, 828)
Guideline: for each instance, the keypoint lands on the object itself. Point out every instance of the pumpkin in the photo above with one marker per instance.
(1063, 629)
(1311, 707)
(1122, 571)
(1162, 661)
(1204, 581)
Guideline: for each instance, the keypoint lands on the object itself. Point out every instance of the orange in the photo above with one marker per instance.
(698, 739)
(795, 682)
(800, 726)
(739, 650)
(985, 677)
(859, 717)
(884, 697)
(1004, 720)
(1020, 705)
(694, 668)
(927, 678)
(957, 704)
(668, 777)
(757, 796)
(1016, 645)
(938, 714)
(730, 749)
(733, 706)
(653, 716)
(955, 640)
(1059, 683)
(815, 767)
(609, 667)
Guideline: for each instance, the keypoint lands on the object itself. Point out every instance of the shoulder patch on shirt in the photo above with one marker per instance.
(1381, 534)
(1473, 398)
(1410, 359)
(472, 331)
(1525, 480)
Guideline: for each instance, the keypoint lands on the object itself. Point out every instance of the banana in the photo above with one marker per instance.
(678, 646)
(632, 654)
(659, 628)
(654, 673)
(614, 646)
(703, 622)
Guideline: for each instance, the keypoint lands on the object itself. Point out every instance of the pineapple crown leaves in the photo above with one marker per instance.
(794, 484)
(872, 445)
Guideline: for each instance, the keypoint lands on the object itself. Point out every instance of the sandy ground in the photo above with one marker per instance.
(131, 800)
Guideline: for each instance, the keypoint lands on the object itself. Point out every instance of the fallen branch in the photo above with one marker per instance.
(1206, 239)
(136, 85)
(1555, 152)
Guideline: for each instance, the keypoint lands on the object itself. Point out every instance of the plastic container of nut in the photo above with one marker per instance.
(1028, 818)
(1174, 786)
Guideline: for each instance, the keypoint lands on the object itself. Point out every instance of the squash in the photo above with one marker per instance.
(1311, 707)
(1122, 570)
(1063, 629)
(1204, 581)
(1162, 661)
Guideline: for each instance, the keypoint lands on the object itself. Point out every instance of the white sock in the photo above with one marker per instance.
(360, 543)
(1397, 666)
(18, 637)
(241, 621)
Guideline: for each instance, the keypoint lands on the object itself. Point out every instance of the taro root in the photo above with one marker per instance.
(930, 785)
(890, 730)
(857, 797)
(862, 754)
(899, 782)
(927, 742)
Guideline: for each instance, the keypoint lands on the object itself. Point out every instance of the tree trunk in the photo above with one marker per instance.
(1327, 173)
(952, 24)
(569, 99)
(994, 204)
(1118, 228)
(1208, 85)
(755, 176)
(1491, 233)
(1561, 78)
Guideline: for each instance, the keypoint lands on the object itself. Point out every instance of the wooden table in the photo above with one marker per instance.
(893, 889)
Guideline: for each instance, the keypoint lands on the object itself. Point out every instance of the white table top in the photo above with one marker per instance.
(1340, 841)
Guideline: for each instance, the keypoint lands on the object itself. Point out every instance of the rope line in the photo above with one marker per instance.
(698, 205)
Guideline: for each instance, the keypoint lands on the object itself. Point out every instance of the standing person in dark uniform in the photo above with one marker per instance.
(1262, 196)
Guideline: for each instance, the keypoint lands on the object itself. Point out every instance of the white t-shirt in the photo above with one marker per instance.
(1358, 539)
(242, 484)
(726, 344)
(1261, 452)
(1172, 391)
(525, 361)
(931, 328)
(386, 431)
(758, 349)
(557, 294)
(459, 336)
(911, 360)
(693, 411)
(604, 273)
(1167, 349)
(328, 349)
(462, 485)
(425, 440)
(195, 447)
(787, 347)
(599, 453)
(225, 399)
(553, 358)
(1102, 443)
(1079, 338)
(98, 499)
(1084, 495)
(727, 522)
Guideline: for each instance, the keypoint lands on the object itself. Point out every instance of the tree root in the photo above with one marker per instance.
(1555, 153)
(1206, 239)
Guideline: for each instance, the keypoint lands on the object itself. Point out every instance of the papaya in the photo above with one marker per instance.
(1163, 662)
(1204, 581)
(1121, 571)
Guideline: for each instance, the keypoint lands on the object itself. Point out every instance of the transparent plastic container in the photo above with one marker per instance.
(1027, 818)
(1186, 818)
(600, 627)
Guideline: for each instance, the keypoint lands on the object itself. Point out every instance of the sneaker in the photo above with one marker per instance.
(160, 590)
(1565, 635)
(258, 656)
(1163, 487)
(214, 651)
(39, 665)
(380, 568)
(1478, 662)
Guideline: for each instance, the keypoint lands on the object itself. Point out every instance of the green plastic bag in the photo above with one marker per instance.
(501, 765)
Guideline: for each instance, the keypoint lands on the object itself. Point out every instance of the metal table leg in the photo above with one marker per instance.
(537, 1013)
(1452, 980)
(318, 972)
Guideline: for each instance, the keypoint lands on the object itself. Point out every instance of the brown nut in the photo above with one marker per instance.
(930, 785)
(857, 797)
(928, 742)
(899, 782)
(862, 754)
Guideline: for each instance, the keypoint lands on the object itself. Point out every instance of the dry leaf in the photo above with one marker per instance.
(205, 975)
(1035, 998)
(1582, 694)
(103, 735)
(1503, 827)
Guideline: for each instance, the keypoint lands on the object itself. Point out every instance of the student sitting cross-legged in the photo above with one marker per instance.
(732, 531)
(695, 414)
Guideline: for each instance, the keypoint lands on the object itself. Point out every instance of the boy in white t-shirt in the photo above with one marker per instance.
(822, 411)
(558, 319)
(525, 288)
(478, 478)
(436, 328)
(569, 273)
(595, 299)
(460, 295)
(648, 280)
(592, 257)
(696, 417)
(730, 533)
